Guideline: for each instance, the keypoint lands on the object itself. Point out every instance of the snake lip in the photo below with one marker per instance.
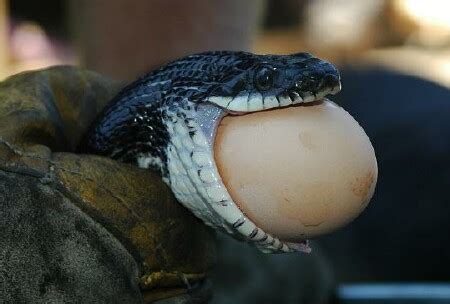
(256, 102)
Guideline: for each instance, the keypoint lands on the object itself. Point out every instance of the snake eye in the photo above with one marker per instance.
(264, 78)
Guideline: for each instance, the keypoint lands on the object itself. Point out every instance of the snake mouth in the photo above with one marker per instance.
(225, 213)
(253, 102)
(192, 152)
(195, 177)
(196, 181)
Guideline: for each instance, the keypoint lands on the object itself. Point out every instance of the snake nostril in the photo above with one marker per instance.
(330, 81)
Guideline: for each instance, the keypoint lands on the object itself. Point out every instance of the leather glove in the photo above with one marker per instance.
(83, 228)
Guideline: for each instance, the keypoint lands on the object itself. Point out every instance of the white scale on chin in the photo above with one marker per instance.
(271, 102)
(284, 100)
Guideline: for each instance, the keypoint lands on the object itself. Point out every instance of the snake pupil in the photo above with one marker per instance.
(264, 78)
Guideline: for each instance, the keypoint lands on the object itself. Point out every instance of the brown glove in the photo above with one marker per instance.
(83, 228)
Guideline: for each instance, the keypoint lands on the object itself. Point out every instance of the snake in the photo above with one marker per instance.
(166, 121)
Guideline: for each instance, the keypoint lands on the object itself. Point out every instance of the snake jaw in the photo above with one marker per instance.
(197, 184)
(255, 101)
(211, 201)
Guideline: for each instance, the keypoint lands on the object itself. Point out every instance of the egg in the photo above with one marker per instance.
(297, 172)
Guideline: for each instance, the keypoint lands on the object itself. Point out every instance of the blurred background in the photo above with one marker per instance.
(394, 57)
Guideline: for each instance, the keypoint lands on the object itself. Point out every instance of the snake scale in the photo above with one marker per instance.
(167, 120)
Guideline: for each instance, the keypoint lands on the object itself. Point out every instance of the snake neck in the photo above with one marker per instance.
(132, 128)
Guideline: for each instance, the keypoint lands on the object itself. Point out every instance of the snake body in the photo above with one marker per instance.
(167, 121)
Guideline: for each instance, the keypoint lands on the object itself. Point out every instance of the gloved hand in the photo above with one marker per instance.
(83, 228)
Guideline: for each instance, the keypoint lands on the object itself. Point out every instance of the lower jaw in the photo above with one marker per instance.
(209, 118)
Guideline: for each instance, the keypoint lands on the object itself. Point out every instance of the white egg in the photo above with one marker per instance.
(297, 172)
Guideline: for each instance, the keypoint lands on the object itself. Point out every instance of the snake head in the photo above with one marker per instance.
(260, 82)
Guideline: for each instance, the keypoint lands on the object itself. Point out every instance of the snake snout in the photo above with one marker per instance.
(317, 82)
(329, 84)
(329, 81)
